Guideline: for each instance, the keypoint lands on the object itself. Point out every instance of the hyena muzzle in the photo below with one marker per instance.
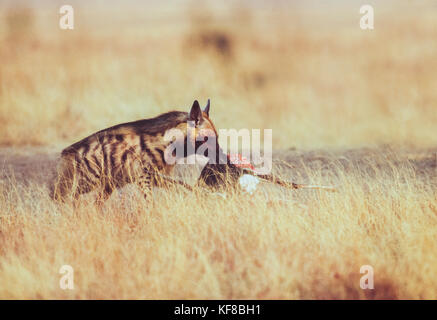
(127, 153)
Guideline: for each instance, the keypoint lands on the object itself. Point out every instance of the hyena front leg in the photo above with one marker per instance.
(163, 181)
(144, 182)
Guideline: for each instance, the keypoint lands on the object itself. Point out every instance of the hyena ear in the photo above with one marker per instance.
(206, 110)
(196, 112)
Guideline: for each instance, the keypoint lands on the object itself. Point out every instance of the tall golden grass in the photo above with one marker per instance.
(312, 75)
(199, 246)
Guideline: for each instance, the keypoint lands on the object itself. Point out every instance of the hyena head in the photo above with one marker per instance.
(199, 133)
(200, 127)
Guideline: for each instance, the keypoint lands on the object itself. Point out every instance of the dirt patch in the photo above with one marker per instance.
(31, 165)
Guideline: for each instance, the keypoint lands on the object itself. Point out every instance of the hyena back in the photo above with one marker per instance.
(127, 153)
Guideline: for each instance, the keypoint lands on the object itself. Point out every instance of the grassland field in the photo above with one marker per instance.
(351, 108)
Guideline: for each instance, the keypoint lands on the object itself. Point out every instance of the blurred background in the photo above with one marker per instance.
(302, 68)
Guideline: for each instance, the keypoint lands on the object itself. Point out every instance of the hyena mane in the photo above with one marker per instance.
(132, 152)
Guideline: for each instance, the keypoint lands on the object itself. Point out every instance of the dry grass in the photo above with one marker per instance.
(311, 75)
(180, 245)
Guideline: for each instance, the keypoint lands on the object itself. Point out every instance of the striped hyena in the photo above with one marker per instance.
(134, 152)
